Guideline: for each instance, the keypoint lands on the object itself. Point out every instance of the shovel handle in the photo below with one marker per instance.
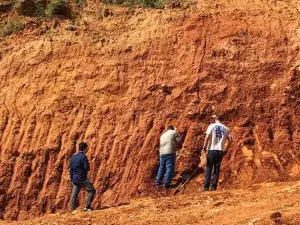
(182, 184)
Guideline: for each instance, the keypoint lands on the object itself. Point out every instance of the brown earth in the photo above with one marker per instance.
(123, 75)
(263, 204)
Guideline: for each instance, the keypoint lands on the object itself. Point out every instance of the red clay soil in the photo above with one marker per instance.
(263, 204)
(122, 76)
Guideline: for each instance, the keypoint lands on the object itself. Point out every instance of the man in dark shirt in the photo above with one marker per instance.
(79, 167)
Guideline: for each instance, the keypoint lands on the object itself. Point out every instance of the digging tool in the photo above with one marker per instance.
(182, 184)
(203, 161)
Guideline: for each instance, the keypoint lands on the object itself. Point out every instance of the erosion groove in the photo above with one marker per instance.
(117, 83)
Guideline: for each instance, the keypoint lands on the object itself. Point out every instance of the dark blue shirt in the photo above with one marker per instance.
(79, 167)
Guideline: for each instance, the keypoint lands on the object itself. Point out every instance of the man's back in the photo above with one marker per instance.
(219, 133)
(168, 142)
(79, 167)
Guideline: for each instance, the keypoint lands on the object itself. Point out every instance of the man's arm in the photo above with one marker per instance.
(86, 164)
(178, 139)
(206, 140)
(207, 137)
(71, 171)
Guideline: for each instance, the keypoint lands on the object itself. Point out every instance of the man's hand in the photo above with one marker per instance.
(203, 158)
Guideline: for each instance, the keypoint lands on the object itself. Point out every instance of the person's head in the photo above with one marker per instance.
(170, 127)
(83, 147)
(218, 117)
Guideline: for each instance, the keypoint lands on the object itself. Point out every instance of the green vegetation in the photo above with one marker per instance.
(12, 26)
(133, 3)
(5, 6)
(48, 8)
(57, 7)
(25, 8)
(80, 2)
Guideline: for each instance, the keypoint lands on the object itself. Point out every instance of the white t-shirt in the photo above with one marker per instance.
(219, 133)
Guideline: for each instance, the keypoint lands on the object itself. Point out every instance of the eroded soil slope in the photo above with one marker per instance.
(118, 81)
(264, 204)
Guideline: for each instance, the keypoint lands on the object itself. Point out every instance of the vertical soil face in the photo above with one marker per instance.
(117, 83)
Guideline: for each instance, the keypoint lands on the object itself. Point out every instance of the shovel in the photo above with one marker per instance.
(203, 161)
(182, 184)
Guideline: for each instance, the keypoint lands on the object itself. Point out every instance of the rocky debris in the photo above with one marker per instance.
(68, 43)
(275, 215)
(253, 221)
(43, 29)
(55, 23)
(161, 88)
(276, 218)
(70, 27)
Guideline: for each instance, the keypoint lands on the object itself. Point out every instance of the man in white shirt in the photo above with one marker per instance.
(167, 150)
(216, 136)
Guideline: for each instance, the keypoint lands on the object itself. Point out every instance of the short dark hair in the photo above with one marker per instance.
(82, 146)
(219, 117)
(170, 127)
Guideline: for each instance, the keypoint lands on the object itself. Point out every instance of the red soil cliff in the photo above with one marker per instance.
(116, 83)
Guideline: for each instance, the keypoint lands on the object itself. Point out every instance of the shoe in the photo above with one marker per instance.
(87, 209)
(205, 189)
(168, 186)
(213, 189)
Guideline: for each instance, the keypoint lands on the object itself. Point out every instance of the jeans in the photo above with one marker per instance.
(87, 185)
(214, 159)
(166, 165)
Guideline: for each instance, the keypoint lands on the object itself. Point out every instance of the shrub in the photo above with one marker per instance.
(40, 7)
(5, 6)
(133, 3)
(31, 7)
(80, 2)
(49, 8)
(12, 26)
(159, 4)
(25, 7)
(57, 8)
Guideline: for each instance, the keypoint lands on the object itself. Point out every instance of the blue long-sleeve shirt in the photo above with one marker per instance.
(79, 167)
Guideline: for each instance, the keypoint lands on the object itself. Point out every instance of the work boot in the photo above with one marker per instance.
(205, 189)
(168, 186)
(87, 209)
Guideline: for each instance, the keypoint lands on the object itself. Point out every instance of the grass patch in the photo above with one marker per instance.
(80, 2)
(159, 4)
(56, 7)
(48, 8)
(13, 26)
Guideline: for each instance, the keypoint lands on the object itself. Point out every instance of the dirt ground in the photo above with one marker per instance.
(263, 204)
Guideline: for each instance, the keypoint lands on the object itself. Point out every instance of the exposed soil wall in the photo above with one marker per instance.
(117, 82)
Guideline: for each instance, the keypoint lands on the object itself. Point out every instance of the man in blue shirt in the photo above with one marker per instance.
(79, 167)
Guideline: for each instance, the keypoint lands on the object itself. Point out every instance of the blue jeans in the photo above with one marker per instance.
(166, 165)
(87, 185)
(214, 159)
